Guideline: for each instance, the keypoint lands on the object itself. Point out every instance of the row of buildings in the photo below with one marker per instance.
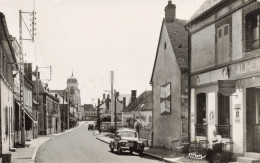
(206, 77)
(28, 107)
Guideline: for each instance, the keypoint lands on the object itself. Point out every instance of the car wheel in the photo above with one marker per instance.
(119, 151)
(141, 153)
(131, 151)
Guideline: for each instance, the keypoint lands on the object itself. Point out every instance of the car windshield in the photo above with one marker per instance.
(128, 134)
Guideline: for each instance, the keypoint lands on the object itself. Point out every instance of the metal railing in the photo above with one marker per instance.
(223, 130)
(200, 130)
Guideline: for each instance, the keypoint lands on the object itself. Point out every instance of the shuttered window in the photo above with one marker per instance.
(223, 44)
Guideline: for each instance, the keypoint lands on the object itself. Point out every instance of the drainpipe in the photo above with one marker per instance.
(189, 85)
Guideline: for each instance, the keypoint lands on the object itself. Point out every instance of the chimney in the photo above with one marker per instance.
(104, 96)
(133, 95)
(124, 102)
(38, 75)
(99, 101)
(170, 12)
(117, 95)
(56, 96)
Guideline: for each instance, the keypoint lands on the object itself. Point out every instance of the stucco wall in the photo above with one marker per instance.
(166, 128)
(7, 102)
(203, 49)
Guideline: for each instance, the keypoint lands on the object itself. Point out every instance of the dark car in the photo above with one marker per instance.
(127, 140)
(91, 127)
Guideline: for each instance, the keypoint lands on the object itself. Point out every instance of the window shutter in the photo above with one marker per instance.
(225, 45)
(219, 45)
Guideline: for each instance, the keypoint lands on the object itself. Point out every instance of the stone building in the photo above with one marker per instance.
(225, 69)
(170, 82)
(7, 66)
(73, 92)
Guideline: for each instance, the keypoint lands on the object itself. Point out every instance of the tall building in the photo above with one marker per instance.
(74, 92)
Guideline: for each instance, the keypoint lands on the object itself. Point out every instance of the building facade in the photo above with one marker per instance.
(7, 66)
(170, 82)
(225, 69)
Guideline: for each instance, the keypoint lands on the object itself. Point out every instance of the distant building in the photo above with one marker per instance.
(140, 108)
(74, 92)
(49, 110)
(90, 112)
(170, 82)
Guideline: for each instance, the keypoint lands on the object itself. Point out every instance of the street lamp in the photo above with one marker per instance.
(114, 94)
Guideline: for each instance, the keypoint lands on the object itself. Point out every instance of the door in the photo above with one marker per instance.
(253, 119)
(256, 124)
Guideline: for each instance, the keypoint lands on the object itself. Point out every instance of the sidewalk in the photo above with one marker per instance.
(160, 154)
(28, 154)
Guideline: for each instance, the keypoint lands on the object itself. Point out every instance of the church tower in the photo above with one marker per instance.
(74, 92)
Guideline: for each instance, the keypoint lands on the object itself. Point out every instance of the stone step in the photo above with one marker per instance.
(247, 160)
(252, 155)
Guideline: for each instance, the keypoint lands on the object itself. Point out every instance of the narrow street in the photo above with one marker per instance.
(81, 145)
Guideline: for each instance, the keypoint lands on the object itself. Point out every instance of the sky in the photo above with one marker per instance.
(92, 37)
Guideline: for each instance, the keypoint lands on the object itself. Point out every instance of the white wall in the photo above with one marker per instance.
(237, 126)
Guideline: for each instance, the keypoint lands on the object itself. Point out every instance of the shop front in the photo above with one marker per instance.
(228, 100)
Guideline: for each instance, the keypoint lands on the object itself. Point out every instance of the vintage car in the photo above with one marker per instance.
(91, 127)
(127, 140)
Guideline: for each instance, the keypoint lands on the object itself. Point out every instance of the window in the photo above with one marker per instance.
(72, 90)
(201, 126)
(252, 31)
(201, 108)
(223, 126)
(6, 121)
(223, 43)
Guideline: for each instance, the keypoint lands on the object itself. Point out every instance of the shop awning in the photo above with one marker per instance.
(30, 116)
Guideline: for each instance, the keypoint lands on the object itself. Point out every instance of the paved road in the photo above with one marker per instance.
(81, 145)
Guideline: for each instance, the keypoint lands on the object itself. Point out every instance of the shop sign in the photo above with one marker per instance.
(248, 67)
(237, 111)
(212, 76)
(227, 87)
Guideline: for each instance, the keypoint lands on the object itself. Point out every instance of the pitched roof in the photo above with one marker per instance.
(89, 107)
(142, 103)
(205, 7)
(179, 41)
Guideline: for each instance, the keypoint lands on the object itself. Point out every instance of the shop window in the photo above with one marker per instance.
(223, 44)
(252, 31)
(223, 126)
(201, 115)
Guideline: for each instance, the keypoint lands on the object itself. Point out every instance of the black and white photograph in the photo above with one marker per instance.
(130, 81)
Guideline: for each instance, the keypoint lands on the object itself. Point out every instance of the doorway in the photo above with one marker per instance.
(253, 119)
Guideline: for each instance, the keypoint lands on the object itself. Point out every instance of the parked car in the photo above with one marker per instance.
(127, 140)
(91, 127)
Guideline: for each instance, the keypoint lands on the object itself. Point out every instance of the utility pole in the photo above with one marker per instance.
(112, 97)
(115, 110)
(32, 36)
